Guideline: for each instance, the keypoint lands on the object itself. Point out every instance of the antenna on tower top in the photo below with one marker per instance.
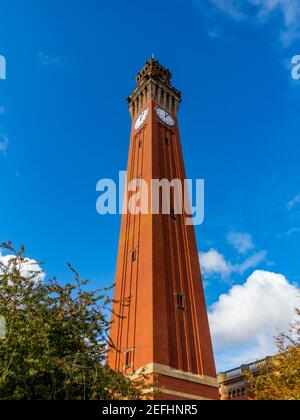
(153, 56)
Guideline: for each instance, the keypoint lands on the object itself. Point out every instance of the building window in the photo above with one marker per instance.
(173, 215)
(167, 141)
(173, 105)
(180, 301)
(134, 255)
(140, 144)
(128, 359)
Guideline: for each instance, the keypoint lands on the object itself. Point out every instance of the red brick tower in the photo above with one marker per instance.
(164, 329)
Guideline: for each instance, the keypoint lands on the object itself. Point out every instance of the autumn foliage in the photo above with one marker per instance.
(56, 338)
(280, 379)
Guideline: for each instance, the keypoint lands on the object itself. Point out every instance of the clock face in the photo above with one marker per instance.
(165, 116)
(141, 119)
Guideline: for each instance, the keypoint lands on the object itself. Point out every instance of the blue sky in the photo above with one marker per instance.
(64, 125)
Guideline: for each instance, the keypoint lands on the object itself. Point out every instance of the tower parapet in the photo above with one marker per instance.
(154, 82)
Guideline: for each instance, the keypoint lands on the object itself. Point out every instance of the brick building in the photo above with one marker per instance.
(163, 330)
(234, 384)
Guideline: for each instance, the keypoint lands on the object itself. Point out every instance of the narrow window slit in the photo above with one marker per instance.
(180, 301)
(128, 359)
(173, 215)
(134, 255)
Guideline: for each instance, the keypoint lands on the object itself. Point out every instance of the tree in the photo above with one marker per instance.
(56, 338)
(280, 379)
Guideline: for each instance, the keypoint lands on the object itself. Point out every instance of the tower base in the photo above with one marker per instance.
(174, 384)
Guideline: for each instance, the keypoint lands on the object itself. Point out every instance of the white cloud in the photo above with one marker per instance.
(263, 10)
(294, 202)
(3, 143)
(27, 268)
(251, 262)
(231, 7)
(242, 242)
(245, 320)
(292, 231)
(214, 263)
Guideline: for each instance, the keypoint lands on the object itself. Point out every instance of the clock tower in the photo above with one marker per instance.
(159, 323)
